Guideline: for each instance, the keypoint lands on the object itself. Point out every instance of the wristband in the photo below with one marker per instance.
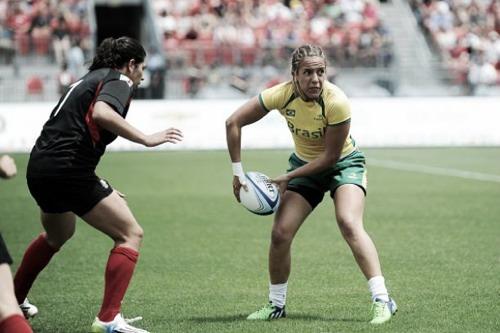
(238, 169)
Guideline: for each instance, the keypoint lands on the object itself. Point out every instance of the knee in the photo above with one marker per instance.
(349, 226)
(134, 235)
(57, 241)
(280, 237)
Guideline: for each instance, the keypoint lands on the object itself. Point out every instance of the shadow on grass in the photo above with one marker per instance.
(218, 319)
(312, 317)
(296, 316)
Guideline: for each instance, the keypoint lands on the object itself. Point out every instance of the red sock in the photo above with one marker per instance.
(15, 324)
(119, 270)
(36, 257)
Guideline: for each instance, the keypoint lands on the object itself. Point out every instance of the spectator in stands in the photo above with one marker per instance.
(481, 72)
(76, 58)
(60, 39)
(270, 28)
(34, 20)
(156, 68)
(18, 22)
(40, 30)
(466, 36)
(64, 79)
(7, 50)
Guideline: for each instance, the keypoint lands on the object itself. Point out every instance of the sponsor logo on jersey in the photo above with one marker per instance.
(104, 183)
(316, 134)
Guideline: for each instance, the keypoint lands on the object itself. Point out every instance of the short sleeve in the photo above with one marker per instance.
(339, 110)
(117, 94)
(275, 97)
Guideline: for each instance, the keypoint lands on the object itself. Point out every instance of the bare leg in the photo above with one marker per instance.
(11, 317)
(58, 229)
(8, 302)
(292, 212)
(113, 217)
(349, 202)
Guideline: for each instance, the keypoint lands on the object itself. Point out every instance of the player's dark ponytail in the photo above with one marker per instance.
(115, 53)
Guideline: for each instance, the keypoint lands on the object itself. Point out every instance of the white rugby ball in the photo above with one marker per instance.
(262, 196)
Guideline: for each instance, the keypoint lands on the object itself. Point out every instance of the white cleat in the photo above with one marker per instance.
(28, 309)
(118, 325)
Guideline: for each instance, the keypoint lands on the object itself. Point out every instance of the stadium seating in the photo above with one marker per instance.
(466, 35)
(235, 32)
(34, 86)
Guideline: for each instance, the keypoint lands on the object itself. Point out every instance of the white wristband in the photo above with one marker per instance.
(238, 169)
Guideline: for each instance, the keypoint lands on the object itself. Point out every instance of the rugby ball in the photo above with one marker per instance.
(262, 196)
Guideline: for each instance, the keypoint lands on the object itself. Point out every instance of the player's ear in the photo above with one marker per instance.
(131, 65)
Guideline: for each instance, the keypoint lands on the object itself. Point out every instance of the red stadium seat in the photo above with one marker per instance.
(34, 86)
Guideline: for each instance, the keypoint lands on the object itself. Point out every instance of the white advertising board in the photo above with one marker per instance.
(376, 122)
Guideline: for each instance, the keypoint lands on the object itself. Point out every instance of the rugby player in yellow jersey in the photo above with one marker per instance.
(325, 159)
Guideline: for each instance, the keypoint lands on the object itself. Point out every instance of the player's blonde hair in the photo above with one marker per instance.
(303, 51)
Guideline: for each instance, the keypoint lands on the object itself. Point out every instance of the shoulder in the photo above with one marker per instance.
(112, 80)
(332, 93)
(108, 75)
(277, 96)
(334, 97)
(280, 88)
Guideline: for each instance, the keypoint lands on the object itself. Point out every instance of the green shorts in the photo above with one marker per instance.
(349, 170)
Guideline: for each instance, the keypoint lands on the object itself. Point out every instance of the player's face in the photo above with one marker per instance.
(310, 76)
(136, 72)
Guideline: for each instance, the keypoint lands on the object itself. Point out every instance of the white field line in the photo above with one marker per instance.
(433, 170)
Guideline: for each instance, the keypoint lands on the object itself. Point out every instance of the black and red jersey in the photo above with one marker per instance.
(71, 143)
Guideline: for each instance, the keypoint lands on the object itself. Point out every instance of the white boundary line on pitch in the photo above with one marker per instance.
(434, 170)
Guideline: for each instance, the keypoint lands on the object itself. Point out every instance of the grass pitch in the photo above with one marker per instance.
(203, 265)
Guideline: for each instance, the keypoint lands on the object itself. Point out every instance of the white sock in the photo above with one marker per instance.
(277, 294)
(377, 288)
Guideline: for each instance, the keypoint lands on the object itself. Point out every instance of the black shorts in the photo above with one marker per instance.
(4, 253)
(67, 194)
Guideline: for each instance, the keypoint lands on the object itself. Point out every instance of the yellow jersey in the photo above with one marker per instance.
(307, 121)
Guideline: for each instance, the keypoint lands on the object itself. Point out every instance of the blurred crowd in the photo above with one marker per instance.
(262, 32)
(466, 33)
(57, 29)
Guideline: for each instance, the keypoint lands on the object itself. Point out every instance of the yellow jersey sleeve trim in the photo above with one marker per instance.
(261, 102)
(341, 123)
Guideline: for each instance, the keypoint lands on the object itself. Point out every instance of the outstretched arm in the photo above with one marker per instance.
(246, 114)
(107, 118)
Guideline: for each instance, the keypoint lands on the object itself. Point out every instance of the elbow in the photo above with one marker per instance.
(230, 123)
(331, 159)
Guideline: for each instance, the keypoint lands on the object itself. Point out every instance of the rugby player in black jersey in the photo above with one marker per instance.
(61, 175)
